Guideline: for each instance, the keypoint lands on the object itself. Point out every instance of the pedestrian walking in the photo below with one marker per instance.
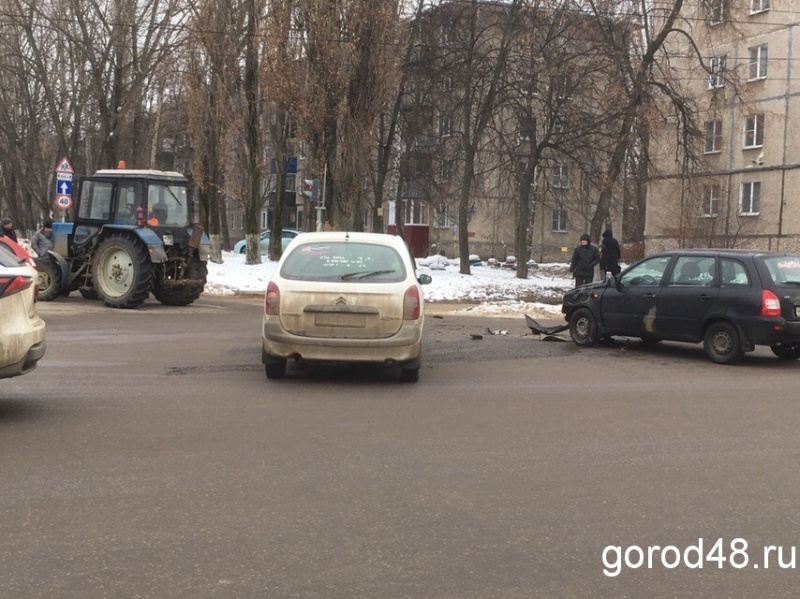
(609, 255)
(584, 259)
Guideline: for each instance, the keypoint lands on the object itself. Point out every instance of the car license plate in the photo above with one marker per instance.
(340, 319)
(167, 239)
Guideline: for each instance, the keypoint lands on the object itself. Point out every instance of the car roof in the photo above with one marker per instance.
(720, 252)
(325, 236)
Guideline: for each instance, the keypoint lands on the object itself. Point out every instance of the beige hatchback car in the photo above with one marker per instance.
(22, 342)
(344, 297)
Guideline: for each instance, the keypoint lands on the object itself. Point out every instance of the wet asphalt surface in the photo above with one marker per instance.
(148, 456)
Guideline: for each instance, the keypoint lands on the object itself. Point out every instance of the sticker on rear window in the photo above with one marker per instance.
(315, 250)
(789, 264)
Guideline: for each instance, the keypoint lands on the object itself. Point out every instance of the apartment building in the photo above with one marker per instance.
(545, 116)
(741, 190)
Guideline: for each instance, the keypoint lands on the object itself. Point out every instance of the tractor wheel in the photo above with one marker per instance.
(185, 294)
(49, 279)
(122, 272)
(88, 293)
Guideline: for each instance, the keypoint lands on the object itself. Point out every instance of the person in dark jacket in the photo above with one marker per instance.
(584, 259)
(42, 240)
(609, 255)
(7, 230)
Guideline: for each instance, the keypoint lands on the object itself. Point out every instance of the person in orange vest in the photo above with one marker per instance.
(151, 218)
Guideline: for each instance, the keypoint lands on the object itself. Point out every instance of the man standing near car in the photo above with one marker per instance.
(584, 259)
(609, 255)
(7, 230)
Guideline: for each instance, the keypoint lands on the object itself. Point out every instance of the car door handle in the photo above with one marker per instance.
(649, 296)
(704, 297)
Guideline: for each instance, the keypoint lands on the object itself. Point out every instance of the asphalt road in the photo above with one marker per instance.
(148, 456)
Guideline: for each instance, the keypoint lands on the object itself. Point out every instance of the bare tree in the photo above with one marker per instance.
(642, 60)
(350, 69)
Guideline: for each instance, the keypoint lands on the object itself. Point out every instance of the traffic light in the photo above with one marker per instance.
(311, 189)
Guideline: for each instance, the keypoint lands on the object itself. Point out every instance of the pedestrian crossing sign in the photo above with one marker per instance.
(64, 166)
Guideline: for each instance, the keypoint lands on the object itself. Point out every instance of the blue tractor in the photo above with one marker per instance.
(134, 233)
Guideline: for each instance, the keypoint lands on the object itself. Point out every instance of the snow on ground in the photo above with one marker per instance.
(488, 290)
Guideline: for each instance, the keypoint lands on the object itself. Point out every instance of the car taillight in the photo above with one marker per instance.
(411, 303)
(15, 284)
(272, 300)
(770, 304)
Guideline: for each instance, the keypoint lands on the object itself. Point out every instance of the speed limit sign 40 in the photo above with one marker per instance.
(64, 202)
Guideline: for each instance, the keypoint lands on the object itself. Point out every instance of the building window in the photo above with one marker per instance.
(716, 11)
(445, 125)
(757, 68)
(264, 220)
(754, 131)
(290, 182)
(563, 86)
(713, 137)
(716, 71)
(710, 200)
(560, 177)
(445, 170)
(750, 201)
(559, 220)
(441, 216)
(447, 83)
(531, 86)
(757, 6)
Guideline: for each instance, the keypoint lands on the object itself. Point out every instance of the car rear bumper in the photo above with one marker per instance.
(404, 346)
(26, 364)
(770, 331)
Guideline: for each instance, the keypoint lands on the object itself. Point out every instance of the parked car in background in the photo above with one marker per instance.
(286, 237)
(345, 297)
(730, 300)
(22, 342)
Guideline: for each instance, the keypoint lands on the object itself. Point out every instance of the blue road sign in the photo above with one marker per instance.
(64, 188)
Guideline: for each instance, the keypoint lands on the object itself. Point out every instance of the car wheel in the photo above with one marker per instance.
(721, 343)
(275, 369)
(583, 328)
(786, 351)
(409, 375)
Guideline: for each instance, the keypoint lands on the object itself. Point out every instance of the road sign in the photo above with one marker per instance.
(64, 166)
(64, 176)
(64, 187)
(64, 202)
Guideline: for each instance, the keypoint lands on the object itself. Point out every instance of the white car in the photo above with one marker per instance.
(22, 342)
(348, 297)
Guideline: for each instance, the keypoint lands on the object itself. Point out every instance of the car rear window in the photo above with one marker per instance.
(783, 269)
(8, 257)
(344, 261)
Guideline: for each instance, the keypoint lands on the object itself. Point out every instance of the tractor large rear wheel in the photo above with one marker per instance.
(122, 273)
(183, 295)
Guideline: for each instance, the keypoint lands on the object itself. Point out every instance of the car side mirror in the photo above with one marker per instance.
(424, 279)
